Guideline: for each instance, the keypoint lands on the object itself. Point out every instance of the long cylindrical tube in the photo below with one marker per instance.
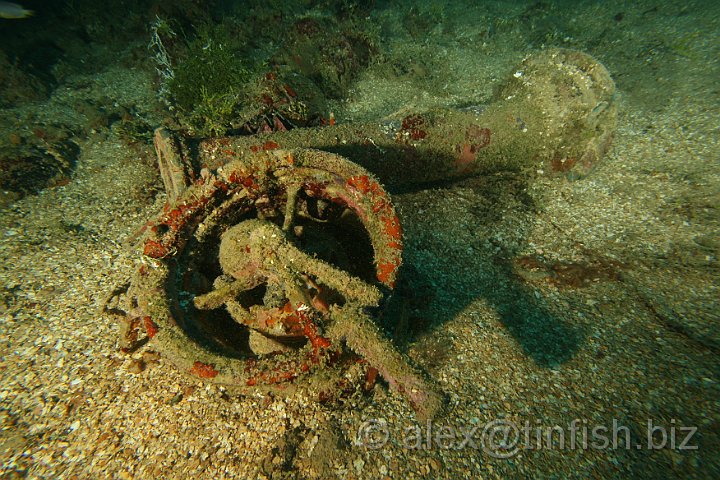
(555, 114)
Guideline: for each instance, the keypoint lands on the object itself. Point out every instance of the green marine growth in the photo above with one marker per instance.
(206, 82)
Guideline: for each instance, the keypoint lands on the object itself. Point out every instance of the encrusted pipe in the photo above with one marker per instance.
(554, 115)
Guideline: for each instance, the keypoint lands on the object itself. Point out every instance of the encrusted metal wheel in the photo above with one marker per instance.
(260, 272)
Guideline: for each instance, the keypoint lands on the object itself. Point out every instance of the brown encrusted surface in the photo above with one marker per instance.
(503, 344)
(555, 114)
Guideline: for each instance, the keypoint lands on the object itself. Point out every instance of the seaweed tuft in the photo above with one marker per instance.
(207, 82)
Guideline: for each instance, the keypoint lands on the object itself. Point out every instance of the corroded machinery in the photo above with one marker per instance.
(274, 253)
(259, 272)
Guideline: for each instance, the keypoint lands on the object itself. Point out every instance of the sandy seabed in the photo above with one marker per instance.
(590, 306)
